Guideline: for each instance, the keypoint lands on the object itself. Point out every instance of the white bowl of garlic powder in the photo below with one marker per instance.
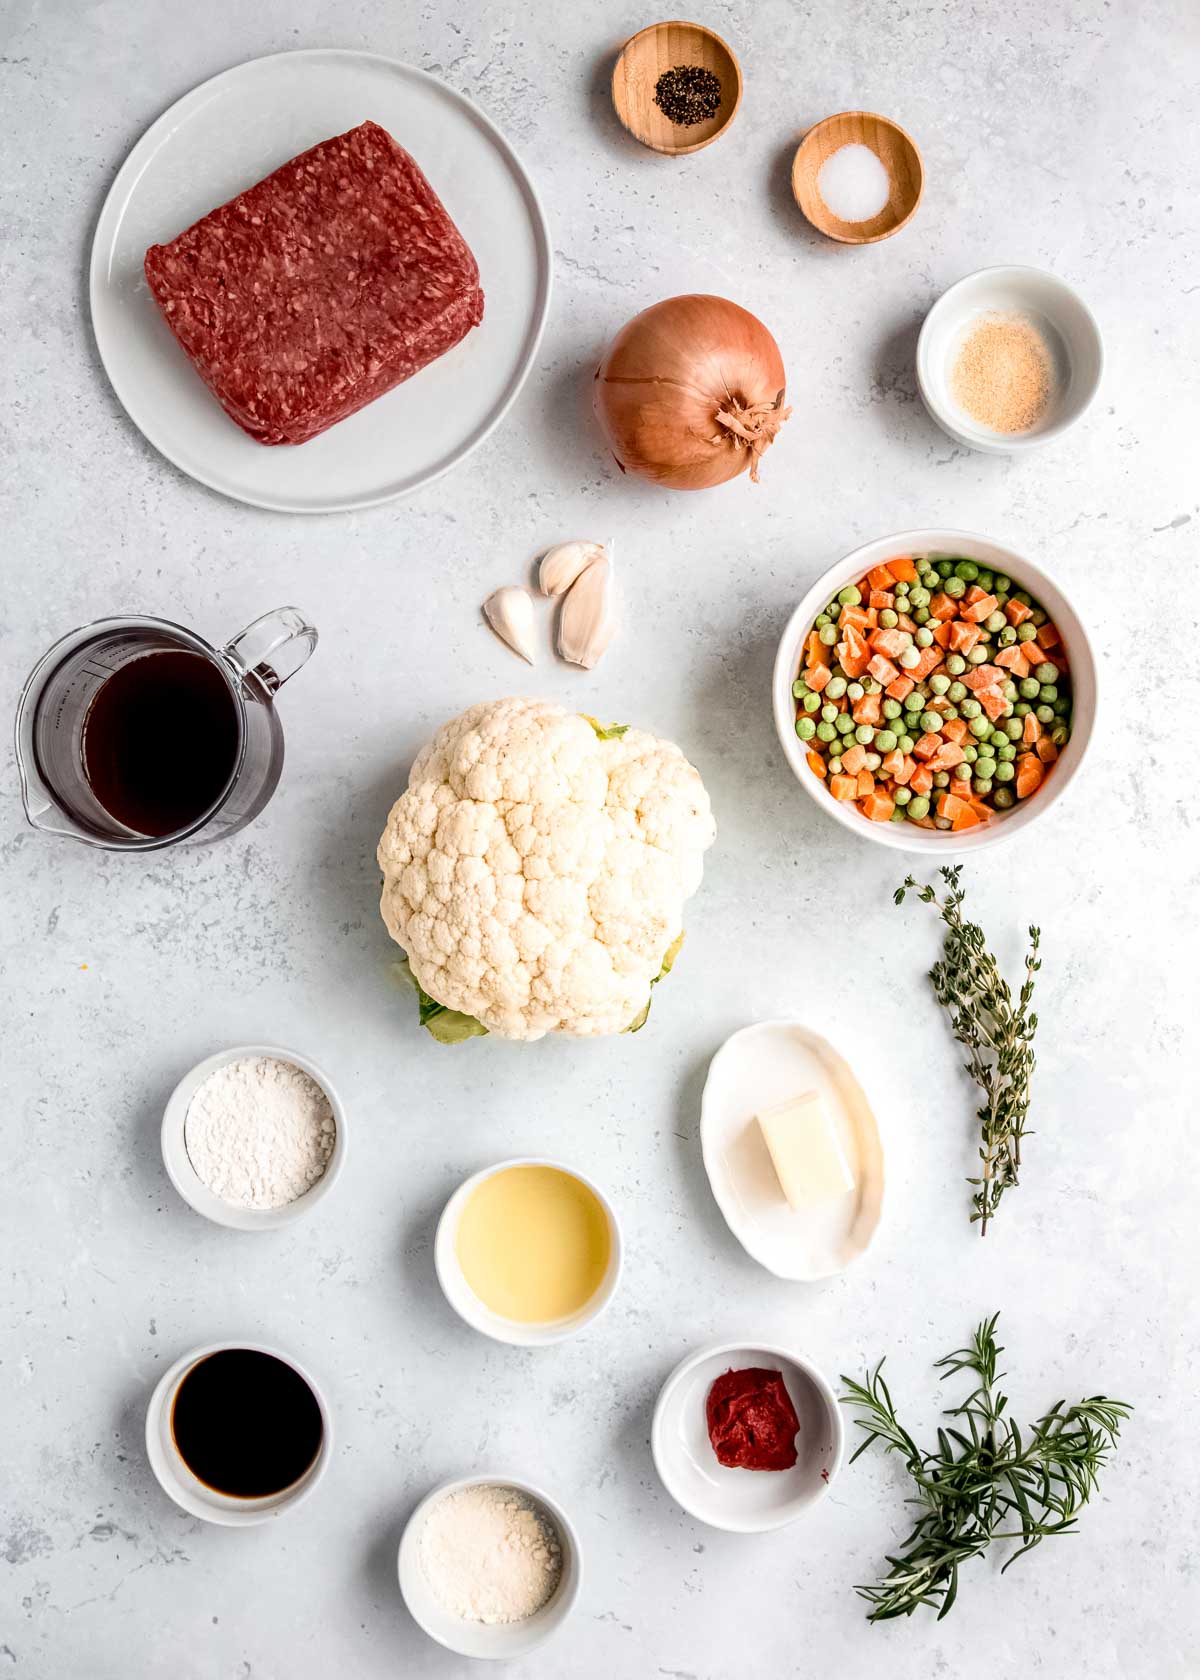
(489, 1566)
(254, 1137)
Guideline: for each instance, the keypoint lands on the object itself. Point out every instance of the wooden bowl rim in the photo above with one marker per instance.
(701, 29)
(886, 233)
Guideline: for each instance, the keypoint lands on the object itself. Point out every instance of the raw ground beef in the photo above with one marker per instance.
(314, 292)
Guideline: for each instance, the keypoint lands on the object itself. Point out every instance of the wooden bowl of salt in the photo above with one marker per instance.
(858, 177)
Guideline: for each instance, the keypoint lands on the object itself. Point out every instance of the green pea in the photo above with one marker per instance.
(1000, 581)
(1002, 799)
(799, 689)
(958, 692)
(995, 622)
(985, 580)
(835, 765)
(909, 658)
(1022, 709)
(920, 596)
(864, 734)
(1062, 706)
(918, 806)
(978, 655)
(983, 785)
(1026, 632)
(941, 778)
(906, 743)
(967, 570)
(1046, 673)
(870, 686)
(897, 816)
(805, 728)
(971, 709)
(887, 740)
(850, 596)
(962, 772)
(825, 732)
(970, 752)
(956, 664)
(1060, 734)
(1001, 598)
(902, 795)
(985, 767)
(1007, 753)
(920, 615)
(924, 637)
(844, 724)
(872, 761)
(931, 723)
(888, 619)
(855, 691)
(811, 702)
(1045, 714)
(979, 727)
(828, 635)
(828, 713)
(914, 702)
(1024, 597)
(1005, 771)
(1030, 688)
(892, 708)
(1007, 636)
(940, 684)
(954, 587)
(1012, 731)
(901, 589)
(835, 688)
(1038, 616)
(944, 567)
(821, 620)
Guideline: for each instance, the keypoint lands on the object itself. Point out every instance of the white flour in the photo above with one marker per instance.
(490, 1554)
(259, 1132)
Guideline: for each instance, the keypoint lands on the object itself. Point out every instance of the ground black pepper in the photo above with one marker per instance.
(688, 94)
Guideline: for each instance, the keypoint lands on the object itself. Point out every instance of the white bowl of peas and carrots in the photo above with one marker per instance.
(934, 691)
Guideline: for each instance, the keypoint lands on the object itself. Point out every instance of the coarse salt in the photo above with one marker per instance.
(854, 183)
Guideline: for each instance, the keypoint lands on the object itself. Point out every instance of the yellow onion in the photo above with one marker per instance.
(690, 393)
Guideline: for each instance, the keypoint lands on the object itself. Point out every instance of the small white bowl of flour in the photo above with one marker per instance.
(253, 1137)
(489, 1566)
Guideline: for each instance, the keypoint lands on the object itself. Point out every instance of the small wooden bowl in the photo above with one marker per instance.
(643, 59)
(898, 154)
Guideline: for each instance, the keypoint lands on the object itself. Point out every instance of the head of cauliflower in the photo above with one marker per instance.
(536, 868)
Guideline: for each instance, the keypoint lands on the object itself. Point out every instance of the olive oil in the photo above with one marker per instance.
(534, 1244)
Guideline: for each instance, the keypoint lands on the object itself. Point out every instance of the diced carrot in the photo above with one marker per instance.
(816, 653)
(879, 807)
(931, 658)
(955, 729)
(923, 822)
(867, 710)
(1032, 731)
(853, 653)
(1016, 612)
(900, 687)
(817, 677)
(881, 577)
(982, 676)
(1012, 659)
(963, 636)
(921, 780)
(968, 817)
(872, 617)
(853, 618)
(843, 787)
(893, 763)
(1029, 775)
(1058, 659)
(816, 764)
(979, 610)
(883, 670)
(906, 772)
(947, 756)
(939, 705)
(992, 701)
(906, 623)
(866, 784)
(973, 594)
(927, 746)
(1046, 750)
(891, 643)
(949, 805)
(943, 633)
(941, 606)
(854, 758)
(881, 599)
(1047, 636)
(903, 570)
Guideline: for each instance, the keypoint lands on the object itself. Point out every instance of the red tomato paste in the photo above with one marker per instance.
(752, 1423)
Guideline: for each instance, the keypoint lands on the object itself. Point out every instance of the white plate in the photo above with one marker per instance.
(744, 1501)
(223, 137)
(754, 1069)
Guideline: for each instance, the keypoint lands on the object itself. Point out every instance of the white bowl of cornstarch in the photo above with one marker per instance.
(254, 1137)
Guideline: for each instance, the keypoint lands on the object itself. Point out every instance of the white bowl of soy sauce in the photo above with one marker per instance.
(238, 1433)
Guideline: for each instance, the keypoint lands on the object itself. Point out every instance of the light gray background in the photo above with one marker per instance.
(1060, 136)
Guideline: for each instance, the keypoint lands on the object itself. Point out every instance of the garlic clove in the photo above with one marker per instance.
(565, 562)
(586, 618)
(509, 611)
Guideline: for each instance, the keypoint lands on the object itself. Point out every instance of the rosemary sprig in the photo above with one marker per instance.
(986, 1481)
(996, 1034)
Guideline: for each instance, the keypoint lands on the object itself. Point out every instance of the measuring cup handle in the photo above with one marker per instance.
(274, 647)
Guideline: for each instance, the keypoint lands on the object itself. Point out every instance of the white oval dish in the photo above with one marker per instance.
(232, 131)
(499, 1640)
(754, 1069)
(936, 543)
(193, 1495)
(1066, 323)
(192, 1187)
(744, 1501)
(467, 1304)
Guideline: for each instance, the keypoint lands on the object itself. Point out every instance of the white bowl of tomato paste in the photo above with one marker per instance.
(746, 1436)
(935, 692)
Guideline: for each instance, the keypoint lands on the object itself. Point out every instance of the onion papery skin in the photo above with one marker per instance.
(691, 392)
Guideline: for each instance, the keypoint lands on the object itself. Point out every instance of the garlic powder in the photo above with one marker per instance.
(490, 1554)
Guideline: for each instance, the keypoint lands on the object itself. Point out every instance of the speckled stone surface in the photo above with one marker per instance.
(1059, 136)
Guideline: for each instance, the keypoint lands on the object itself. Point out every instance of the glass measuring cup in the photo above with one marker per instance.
(58, 694)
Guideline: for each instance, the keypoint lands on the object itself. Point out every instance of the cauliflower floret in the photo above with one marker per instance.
(535, 873)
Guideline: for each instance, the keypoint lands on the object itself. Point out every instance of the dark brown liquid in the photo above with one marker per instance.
(160, 740)
(246, 1424)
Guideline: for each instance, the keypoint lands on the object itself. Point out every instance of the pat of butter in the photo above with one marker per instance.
(805, 1151)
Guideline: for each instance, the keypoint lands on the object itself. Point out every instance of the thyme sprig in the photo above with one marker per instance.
(986, 1481)
(996, 1033)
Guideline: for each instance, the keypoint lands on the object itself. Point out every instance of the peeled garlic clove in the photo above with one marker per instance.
(565, 562)
(586, 620)
(509, 611)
